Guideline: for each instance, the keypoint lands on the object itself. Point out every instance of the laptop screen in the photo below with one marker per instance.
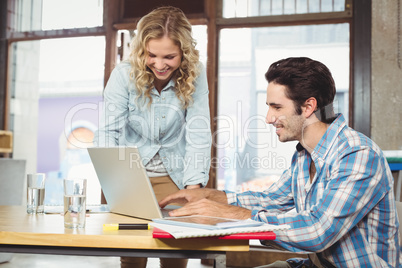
(124, 182)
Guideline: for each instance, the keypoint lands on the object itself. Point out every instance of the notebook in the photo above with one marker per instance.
(262, 235)
(189, 232)
(208, 222)
(125, 183)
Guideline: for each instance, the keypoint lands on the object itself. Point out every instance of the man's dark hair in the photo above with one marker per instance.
(305, 78)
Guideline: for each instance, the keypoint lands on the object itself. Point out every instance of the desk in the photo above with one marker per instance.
(45, 234)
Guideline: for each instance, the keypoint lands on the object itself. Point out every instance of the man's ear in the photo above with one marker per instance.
(309, 107)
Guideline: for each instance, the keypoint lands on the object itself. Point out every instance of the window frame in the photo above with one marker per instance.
(357, 13)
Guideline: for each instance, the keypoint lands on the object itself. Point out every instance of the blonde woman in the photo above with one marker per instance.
(158, 101)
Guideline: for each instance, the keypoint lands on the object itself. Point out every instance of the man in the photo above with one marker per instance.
(337, 195)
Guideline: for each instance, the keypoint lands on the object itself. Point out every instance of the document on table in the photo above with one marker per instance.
(208, 222)
(188, 232)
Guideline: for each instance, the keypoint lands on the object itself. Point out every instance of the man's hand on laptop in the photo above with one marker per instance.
(208, 207)
(204, 201)
(192, 195)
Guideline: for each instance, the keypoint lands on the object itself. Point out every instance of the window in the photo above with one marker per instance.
(249, 155)
(57, 87)
(254, 8)
(38, 15)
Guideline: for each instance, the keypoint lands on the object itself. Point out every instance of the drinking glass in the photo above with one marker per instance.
(35, 193)
(74, 203)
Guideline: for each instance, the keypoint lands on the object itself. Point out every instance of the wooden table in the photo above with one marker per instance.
(45, 234)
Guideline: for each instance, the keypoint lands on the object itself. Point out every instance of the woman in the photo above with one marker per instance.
(158, 101)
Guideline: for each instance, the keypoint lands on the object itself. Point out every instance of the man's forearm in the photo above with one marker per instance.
(217, 196)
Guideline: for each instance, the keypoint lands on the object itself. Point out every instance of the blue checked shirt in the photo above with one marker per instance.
(348, 211)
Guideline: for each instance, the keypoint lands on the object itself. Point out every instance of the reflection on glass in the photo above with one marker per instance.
(249, 153)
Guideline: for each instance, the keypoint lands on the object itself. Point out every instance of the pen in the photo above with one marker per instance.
(125, 226)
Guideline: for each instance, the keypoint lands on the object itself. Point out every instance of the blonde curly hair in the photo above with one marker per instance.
(171, 22)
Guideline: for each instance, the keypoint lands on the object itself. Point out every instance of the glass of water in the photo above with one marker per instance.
(35, 193)
(74, 203)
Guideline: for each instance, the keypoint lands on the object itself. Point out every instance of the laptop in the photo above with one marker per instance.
(125, 183)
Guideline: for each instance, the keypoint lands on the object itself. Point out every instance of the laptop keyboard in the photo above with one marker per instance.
(165, 212)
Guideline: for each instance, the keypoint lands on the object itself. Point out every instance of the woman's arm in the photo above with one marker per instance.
(114, 110)
(198, 135)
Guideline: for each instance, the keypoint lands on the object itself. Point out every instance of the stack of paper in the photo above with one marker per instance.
(263, 232)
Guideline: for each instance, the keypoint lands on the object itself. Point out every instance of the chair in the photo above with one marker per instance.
(12, 185)
(12, 181)
(394, 158)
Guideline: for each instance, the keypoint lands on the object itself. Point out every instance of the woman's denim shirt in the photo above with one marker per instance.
(181, 136)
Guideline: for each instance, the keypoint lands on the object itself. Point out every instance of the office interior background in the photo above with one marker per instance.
(56, 56)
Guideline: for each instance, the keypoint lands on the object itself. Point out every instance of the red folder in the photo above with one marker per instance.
(158, 233)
